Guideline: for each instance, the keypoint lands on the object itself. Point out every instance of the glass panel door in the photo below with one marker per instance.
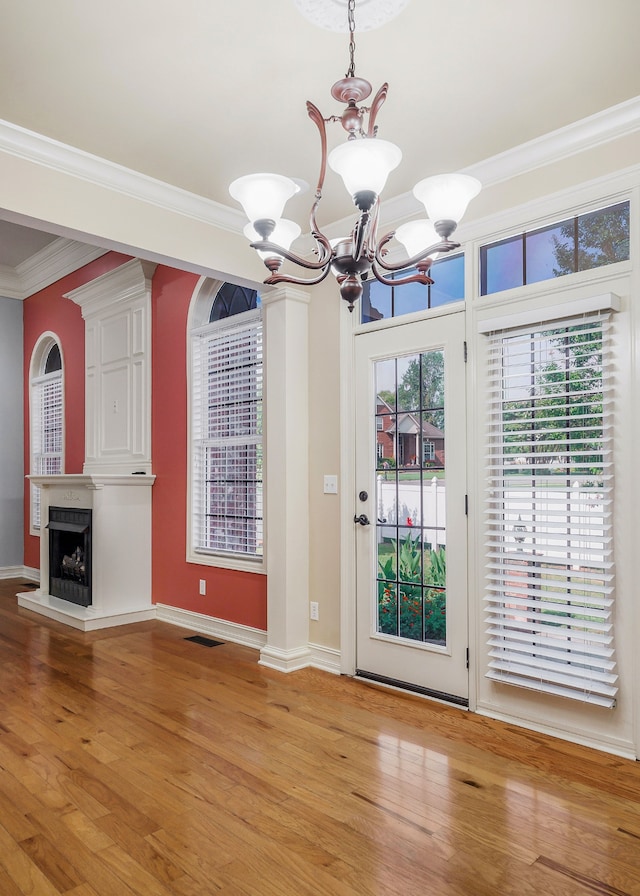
(411, 559)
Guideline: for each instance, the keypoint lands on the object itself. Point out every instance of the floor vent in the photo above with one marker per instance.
(205, 642)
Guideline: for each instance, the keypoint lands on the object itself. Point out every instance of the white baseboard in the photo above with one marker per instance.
(210, 625)
(617, 747)
(20, 572)
(326, 658)
(285, 660)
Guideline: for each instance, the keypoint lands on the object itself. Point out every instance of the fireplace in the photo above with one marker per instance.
(70, 554)
(95, 550)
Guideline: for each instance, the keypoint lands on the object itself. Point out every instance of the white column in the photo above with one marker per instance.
(286, 335)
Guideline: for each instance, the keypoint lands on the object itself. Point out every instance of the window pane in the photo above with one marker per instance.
(550, 252)
(502, 265)
(603, 237)
(410, 501)
(376, 301)
(448, 274)
(409, 384)
(227, 430)
(409, 298)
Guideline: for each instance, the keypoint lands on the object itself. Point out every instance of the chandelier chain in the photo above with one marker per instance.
(352, 40)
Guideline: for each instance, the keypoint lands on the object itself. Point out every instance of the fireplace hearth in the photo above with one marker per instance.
(70, 554)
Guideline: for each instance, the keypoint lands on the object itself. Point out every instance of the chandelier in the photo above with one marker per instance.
(364, 162)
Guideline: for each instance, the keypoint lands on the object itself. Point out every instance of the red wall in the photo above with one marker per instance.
(234, 596)
(44, 311)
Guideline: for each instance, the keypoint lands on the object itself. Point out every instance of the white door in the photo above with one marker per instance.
(410, 507)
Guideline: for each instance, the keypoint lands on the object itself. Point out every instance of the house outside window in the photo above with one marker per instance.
(226, 518)
(46, 418)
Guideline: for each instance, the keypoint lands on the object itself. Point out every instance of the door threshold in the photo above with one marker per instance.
(442, 696)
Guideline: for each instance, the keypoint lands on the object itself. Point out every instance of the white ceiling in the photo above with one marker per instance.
(197, 92)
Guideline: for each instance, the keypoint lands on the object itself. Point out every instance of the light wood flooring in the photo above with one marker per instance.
(133, 761)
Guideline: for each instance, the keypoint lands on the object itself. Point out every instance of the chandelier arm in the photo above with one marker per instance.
(298, 281)
(323, 245)
(376, 105)
(316, 116)
(266, 246)
(420, 277)
(441, 247)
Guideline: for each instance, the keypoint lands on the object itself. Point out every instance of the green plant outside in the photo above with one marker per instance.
(423, 608)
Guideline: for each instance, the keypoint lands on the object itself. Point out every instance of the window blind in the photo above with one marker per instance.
(227, 501)
(550, 574)
(46, 434)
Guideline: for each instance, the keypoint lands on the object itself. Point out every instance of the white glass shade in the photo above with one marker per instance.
(446, 196)
(263, 195)
(416, 236)
(365, 164)
(285, 232)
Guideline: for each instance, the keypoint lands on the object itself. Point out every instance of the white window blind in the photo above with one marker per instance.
(550, 588)
(46, 433)
(227, 501)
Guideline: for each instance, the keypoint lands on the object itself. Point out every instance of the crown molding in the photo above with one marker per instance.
(125, 284)
(603, 127)
(34, 147)
(10, 286)
(55, 261)
(611, 124)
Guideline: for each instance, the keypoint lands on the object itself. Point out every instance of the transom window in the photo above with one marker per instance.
(380, 301)
(226, 463)
(577, 244)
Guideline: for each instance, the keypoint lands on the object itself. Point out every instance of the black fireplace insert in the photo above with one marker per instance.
(70, 554)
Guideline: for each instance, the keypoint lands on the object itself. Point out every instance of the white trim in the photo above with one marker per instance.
(10, 286)
(610, 124)
(31, 573)
(531, 316)
(285, 660)
(585, 134)
(580, 136)
(55, 261)
(551, 208)
(85, 619)
(13, 572)
(69, 160)
(121, 286)
(618, 747)
(348, 326)
(211, 625)
(325, 658)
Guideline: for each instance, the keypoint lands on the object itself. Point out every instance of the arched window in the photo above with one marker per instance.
(226, 509)
(46, 417)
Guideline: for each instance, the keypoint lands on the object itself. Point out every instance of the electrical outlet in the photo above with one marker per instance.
(203, 586)
(331, 485)
(313, 610)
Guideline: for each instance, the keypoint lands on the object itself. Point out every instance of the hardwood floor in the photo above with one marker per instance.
(134, 761)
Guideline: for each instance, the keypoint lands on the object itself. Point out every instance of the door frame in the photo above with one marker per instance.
(349, 329)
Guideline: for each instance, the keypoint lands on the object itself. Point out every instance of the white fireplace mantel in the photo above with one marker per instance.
(121, 549)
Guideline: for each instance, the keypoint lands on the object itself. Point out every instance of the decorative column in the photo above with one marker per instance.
(286, 335)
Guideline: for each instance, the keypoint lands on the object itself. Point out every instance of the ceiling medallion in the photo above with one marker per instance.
(332, 14)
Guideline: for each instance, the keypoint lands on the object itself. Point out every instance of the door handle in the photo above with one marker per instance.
(363, 519)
